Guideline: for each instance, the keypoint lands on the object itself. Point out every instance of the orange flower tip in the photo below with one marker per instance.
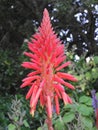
(65, 103)
(27, 97)
(32, 113)
(41, 106)
(32, 105)
(76, 80)
(50, 116)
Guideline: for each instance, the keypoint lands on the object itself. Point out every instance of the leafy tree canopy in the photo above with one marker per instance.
(76, 21)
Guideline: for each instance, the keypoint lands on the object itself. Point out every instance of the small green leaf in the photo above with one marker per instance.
(15, 118)
(86, 100)
(83, 99)
(87, 122)
(44, 127)
(68, 107)
(97, 95)
(88, 75)
(59, 125)
(94, 73)
(68, 117)
(11, 127)
(40, 128)
(84, 110)
(26, 123)
(96, 59)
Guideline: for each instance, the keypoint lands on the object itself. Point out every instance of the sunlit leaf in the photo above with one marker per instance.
(68, 117)
(11, 127)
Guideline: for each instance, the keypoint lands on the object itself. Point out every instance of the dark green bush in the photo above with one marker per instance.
(11, 72)
(14, 114)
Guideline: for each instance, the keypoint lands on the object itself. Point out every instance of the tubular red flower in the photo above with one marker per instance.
(47, 58)
(63, 66)
(35, 88)
(30, 92)
(59, 87)
(30, 78)
(29, 54)
(42, 100)
(66, 98)
(61, 81)
(33, 73)
(30, 65)
(66, 76)
(34, 102)
(57, 104)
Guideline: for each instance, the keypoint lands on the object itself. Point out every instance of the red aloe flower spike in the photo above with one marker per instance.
(46, 82)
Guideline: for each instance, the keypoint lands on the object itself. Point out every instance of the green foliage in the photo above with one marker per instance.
(17, 115)
(11, 72)
(77, 116)
(86, 71)
(14, 114)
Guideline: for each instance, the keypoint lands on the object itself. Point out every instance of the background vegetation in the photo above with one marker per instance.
(76, 23)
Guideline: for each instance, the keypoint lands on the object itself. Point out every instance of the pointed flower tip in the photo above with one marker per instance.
(46, 15)
(45, 12)
(32, 113)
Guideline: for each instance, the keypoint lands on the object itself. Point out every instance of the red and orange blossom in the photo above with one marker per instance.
(46, 81)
